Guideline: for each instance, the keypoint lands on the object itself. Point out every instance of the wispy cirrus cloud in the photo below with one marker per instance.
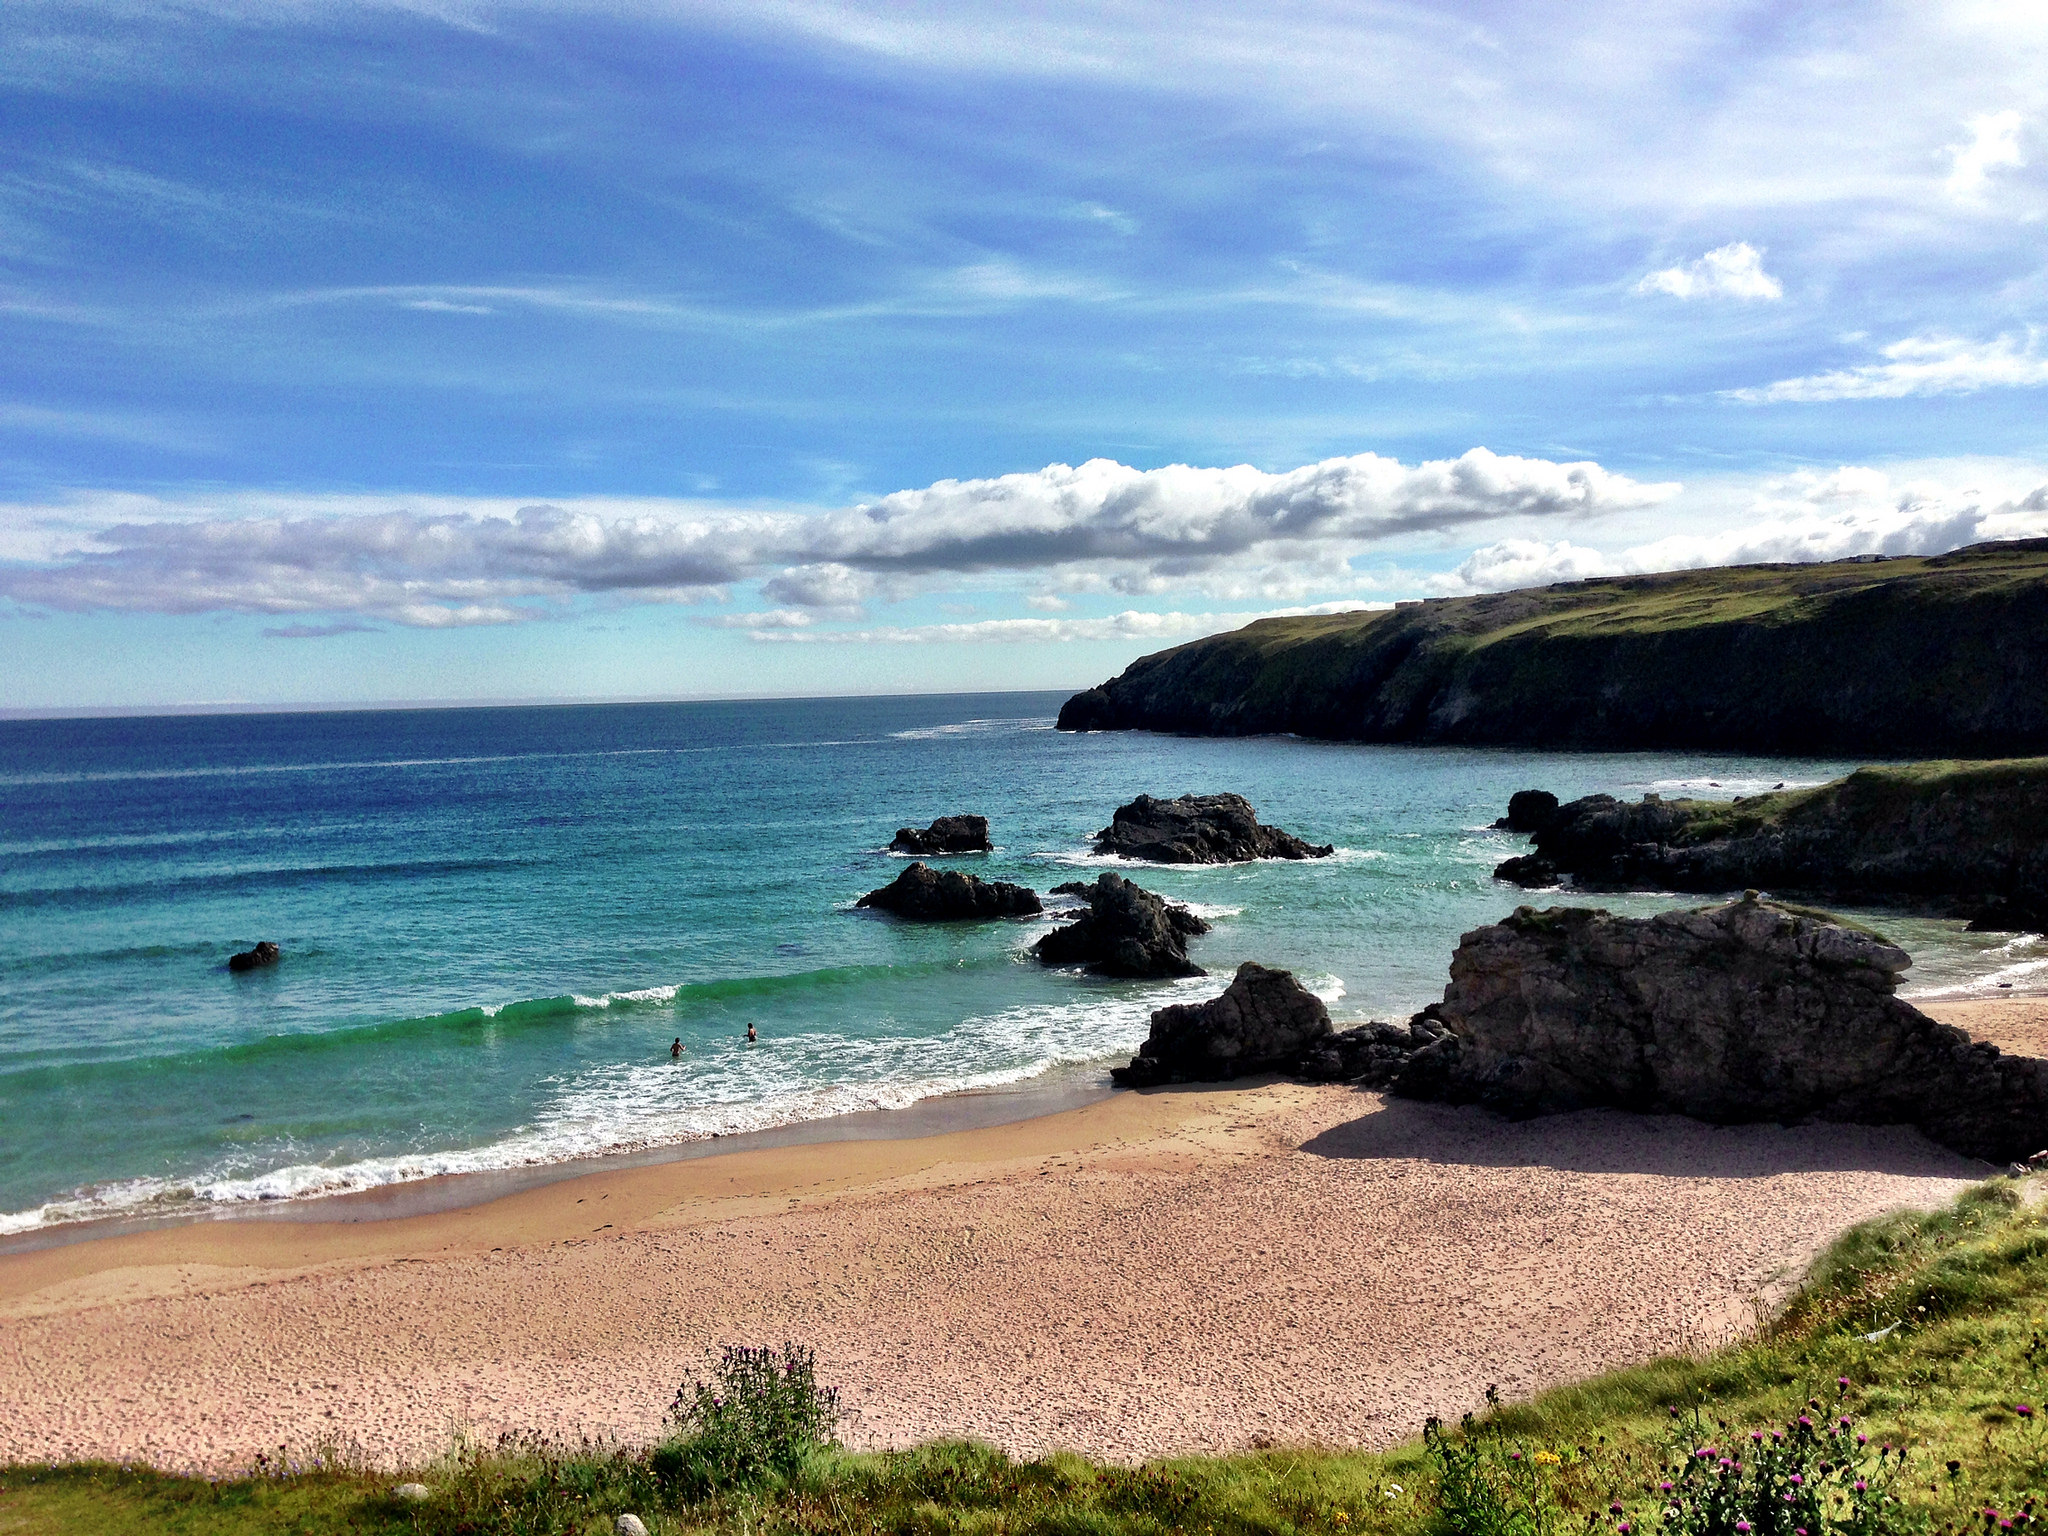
(1116, 527)
(1727, 272)
(1919, 365)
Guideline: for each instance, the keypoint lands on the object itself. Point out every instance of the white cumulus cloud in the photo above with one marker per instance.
(1727, 272)
(1103, 522)
(1800, 519)
(1920, 365)
(1994, 143)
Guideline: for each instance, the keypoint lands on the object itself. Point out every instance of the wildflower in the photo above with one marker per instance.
(1757, 1435)
(1545, 1458)
(2023, 1410)
(1664, 1487)
(1845, 1421)
(1622, 1526)
(1395, 1488)
(1795, 1479)
(1842, 1382)
(1614, 1509)
(1863, 1439)
(1805, 1422)
(1861, 1485)
(1744, 1526)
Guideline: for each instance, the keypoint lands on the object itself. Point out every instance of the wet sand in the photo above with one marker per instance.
(1179, 1270)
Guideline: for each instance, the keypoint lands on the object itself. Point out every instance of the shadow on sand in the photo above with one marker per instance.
(1613, 1141)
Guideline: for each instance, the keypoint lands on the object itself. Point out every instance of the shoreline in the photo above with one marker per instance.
(1049, 1093)
(2016, 1021)
(1197, 1268)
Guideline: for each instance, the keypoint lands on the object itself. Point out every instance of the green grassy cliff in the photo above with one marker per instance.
(1917, 656)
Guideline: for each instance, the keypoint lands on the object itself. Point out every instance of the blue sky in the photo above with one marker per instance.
(437, 351)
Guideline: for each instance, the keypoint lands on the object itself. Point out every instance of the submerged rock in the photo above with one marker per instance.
(265, 953)
(1126, 931)
(949, 834)
(1745, 1012)
(1265, 1021)
(1199, 829)
(928, 895)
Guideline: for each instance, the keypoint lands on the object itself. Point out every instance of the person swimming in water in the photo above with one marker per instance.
(750, 1034)
(675, 1052)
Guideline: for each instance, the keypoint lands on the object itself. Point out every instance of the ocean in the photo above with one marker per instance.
(495, 921)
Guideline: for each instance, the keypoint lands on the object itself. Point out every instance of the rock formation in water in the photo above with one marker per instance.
(1744, 1012)
(1529, 810)
(1265, 1021)
(1199, 829)
(1939, 656)
(928, 895)
(1126, 931)
(949, 834)
(265, 953)
(1967, 839)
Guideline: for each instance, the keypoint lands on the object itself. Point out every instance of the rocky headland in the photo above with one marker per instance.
(1964, 839)
(1907, 657)
(1199, 829)
(926, 895)
(948, 834)
(1126, 931)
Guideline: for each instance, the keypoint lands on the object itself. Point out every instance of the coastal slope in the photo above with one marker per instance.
(1915, 656)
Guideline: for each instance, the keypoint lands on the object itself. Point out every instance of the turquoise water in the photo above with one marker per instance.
(494, 921)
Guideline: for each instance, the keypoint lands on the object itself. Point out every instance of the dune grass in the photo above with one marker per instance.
(1930, 1332)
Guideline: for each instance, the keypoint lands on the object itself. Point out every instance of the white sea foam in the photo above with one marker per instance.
(1729, 787)
(627, 1107)
(2018, 965)
(973, 728)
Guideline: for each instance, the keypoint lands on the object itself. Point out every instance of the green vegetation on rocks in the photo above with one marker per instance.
(1929, 1333)
(1917, 656)
(1970, 839)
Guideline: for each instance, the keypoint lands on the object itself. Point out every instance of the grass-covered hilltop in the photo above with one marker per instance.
(1897, 1393)
(1915, 656)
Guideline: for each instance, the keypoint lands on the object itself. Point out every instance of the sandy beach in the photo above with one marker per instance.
(1179, 1270)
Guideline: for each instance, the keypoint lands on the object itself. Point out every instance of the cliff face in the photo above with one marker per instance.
(1945, 655)
(1970, 838)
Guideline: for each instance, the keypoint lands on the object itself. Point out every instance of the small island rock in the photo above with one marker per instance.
(1199, 829)
(1265, 1021)
(1126, 931)
(265, 953)
(928, 895)
(949, 834)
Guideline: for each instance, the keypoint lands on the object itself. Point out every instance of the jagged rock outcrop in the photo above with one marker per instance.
(1126, 931)
(949, 834)
(928, 895)
(1967, 839)
(265, 953)
(1529, 810)
(1939, 656)
(1744, 1012)
(1265, 1021)
(1199, 829)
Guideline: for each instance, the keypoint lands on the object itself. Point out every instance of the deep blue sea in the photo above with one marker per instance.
(495, 921)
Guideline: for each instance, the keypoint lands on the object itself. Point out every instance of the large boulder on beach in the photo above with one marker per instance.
(1126, 931)
(928, 895)
(1199, 829)
(1265, 1021)
(949, 834)
(265, 953)
(1750, 1011)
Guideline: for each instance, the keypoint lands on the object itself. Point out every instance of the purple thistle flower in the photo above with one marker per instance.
(1861, 1485)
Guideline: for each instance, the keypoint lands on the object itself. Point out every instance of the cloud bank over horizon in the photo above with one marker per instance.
(1327, 536)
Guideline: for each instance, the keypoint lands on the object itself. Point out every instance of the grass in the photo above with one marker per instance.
(1958, 1301)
